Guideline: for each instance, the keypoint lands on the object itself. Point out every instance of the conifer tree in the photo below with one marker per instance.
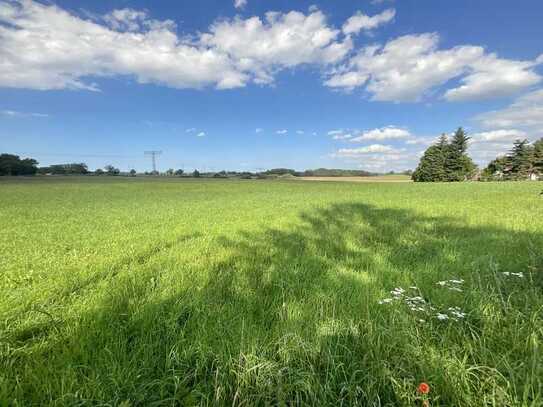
(432, 165)
(459, 165)
(537, 156)
(521, 159)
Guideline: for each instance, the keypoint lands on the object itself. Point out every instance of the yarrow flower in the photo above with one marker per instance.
(509, 274)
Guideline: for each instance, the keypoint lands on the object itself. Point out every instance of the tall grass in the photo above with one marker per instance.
(131, 292)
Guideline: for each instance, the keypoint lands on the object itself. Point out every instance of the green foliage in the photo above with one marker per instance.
(179, 172)
(13, 165)
(111, 170)
(161, 292)
(537, 156)
(65, 169)
(446, 161)
(196, 174)
(133, 173)
(523, 160)
(520, 159)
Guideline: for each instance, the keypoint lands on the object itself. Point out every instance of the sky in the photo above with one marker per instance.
(249, 85)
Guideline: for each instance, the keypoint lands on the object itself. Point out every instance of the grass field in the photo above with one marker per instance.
(166, 292)
(380, 178)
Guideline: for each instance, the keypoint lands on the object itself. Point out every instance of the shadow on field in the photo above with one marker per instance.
(282, 316)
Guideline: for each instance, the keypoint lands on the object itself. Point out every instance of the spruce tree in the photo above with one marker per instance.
(537, 156)
(521, 159)
(432, 164)
(458, 165)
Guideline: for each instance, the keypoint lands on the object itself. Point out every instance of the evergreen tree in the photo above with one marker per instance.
(537, 156)
(432, 165)
(458, 165)
(521, 160)
(497, 168)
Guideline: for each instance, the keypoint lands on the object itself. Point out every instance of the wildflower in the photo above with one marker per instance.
(397, 292)
(386, 301)
(508, 274)
(423, 388)
(442, 317)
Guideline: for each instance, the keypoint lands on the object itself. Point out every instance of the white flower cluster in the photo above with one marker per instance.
(416, 303)
(453, 285)
(509, 274)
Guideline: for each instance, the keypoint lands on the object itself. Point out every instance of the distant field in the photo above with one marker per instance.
(382, 178)
(149, 292)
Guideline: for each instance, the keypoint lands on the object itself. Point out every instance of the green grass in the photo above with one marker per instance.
(165, 292)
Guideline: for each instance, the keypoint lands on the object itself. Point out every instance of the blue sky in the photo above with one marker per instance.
(218, 85)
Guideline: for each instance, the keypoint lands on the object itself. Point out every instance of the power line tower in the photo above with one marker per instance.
(153, 155)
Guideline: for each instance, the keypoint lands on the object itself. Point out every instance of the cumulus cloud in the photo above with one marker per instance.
(281, 132)
(497, 135)
(379, 157)
(201, 134)
(409, 67)
(240, 3)
(383, 133)
(361, 21)
(42, 46)
(525, 112)
(64, 51)
(374, 148)
(259, 130)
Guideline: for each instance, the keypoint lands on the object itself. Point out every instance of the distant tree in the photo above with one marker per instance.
(99, 171)
(520, 159)
(281, 171)
(196, 174)
(432, 164)
(170, 172)
(133, 173)
(496, 169)
(179, 172)
(13, 165)
(537, 156)
(111, 170)
(66, 169)
(458, 165)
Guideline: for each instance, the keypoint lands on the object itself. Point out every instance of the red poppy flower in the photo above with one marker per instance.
(423, 388)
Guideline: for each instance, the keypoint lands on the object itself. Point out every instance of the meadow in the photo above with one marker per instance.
(133, 292)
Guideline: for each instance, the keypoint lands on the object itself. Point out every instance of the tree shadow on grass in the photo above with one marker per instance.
(291, 316)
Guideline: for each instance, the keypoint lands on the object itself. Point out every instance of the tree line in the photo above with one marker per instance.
(447, 161)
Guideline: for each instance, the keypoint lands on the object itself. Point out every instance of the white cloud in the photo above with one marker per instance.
(360, 21)
(258, 130)
(407, 68)
(201, 134)
(384, 133)
(491, 76)
(342, 136)
(281, 132)
(377, 2)
(16, 114)
(191, 130)
(64, 51)
(509, 135)
(240, 3)
(374, 148)
(300, 132)
(525, 112)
